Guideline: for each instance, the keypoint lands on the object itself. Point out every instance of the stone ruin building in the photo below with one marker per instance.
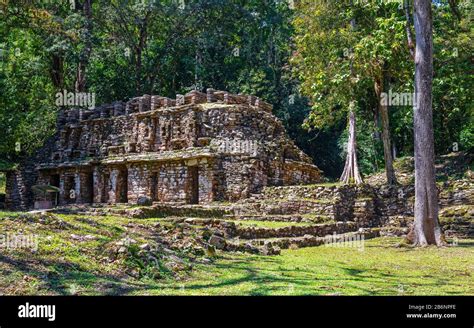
(197, 148)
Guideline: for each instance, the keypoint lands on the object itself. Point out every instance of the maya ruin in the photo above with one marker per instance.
(197, 148)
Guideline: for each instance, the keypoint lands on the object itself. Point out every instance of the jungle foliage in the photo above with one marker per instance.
(295, 55)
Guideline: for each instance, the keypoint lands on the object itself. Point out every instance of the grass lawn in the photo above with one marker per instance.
(63, 265)
(380, 269)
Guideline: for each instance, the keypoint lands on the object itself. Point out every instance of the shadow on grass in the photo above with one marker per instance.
(230, 274)
(62, 277)
(265, 284)
(254, 281)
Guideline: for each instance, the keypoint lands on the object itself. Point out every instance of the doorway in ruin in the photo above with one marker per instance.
(154, 186)
(104, 197)
(89, 188)
(193, 184)
(122, 186)
(54, 180)
(69, 189)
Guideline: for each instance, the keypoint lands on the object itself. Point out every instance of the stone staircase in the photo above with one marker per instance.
(305, 216)
(274, 244)
(295, 218)
(312, 214)
(232, 236)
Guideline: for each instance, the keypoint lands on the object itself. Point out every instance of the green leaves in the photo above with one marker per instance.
(326, 46)
(243, 46)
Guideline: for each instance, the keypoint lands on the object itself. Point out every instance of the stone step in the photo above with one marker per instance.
(353, 239)
(286, 207)
(302, 191)
(465, 210)
(319, 230)
(154, 211)
(164, 210)
(393, 231)
(256, 196)
(297, 218)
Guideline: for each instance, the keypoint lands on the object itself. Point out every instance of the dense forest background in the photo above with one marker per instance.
(301, 56)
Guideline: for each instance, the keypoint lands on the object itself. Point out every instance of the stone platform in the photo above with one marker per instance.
(306, 216)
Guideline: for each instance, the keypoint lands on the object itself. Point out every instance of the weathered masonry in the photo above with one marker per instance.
(197, 148)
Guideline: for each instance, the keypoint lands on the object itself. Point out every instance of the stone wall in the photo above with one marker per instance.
(343, 203)
(18, 193)
(139, 182)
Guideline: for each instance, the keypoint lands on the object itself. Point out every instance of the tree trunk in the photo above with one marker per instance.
(454, 9)
(411, 45)
(57, 70)
(387, 148)
(351, 172)
(85, 55)
(138, 70)
(142, 40)
(426, 229)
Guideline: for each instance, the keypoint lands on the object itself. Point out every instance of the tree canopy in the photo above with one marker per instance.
(297, 55)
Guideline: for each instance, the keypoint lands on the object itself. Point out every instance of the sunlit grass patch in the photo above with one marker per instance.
(71, 259)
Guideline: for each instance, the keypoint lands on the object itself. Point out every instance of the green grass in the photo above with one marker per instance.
(4, 214)
(380, 269)
(63, 266)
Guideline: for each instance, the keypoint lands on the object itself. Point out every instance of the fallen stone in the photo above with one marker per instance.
(217, 242)
(144, 201)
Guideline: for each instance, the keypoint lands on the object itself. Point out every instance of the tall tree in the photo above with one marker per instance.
(379, 86)
(427, 230)
(324, 62)
(372, 61)
(351, 173)
(379, 57)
